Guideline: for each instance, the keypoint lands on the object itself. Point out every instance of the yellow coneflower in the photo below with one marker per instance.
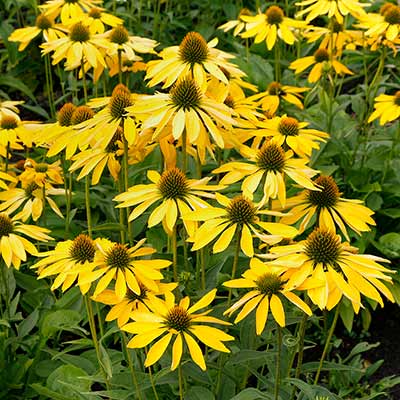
(185, 107)
(33, 198)
(56, 130)
(269, 165)
(98, 19)
(168, 319)
(233, 96)
(121, 310)
(238, 217)
(79, 46)
(293, 133)
(329, 208)
(118, 261)
(41, 173)
(14, 132)
(336, 8)
(9, 107)
(195, 57)
(44, 25)
(13, 246)
(268, 285)
(68, 9)
(322, 61)
(386, 23)
(387, 108)
(71, 260)
(135, 64)
(270, 99)
(270, 25)
(70, 135)
(329, 269)
(237, 25)
(334, 37)
(120, 41)
(176, 193)
(95, 159)
(102, 127)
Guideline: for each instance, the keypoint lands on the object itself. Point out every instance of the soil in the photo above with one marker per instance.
(385, 328)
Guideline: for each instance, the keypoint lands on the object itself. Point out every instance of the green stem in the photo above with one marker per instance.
(93, 332)
(219, 375)
(131, 366)
(235, 263)
(180, 382)
(121, 211)
(184, 151)
(85, 95)
(327, 344)
(43, 216)
(153, 386)
(126, 187)
(7, 156)
(87, 203)
(277, 62)
(203, 268)
(99, 319)
(49, 84)
(5, 280)
(302, 333)
(119, 65)
(388, 160)
(67, 196)
(174, 246)
(278, 363)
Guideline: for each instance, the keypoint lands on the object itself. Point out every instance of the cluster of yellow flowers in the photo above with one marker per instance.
(201, 109)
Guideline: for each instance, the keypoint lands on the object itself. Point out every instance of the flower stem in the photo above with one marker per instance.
(327, 344)
(184, 151)
(126, 186)
(235, 263)
(277, 62)
(180, 382)
(92, 325)
(85, 95)
(87, 203)
(119, 65)
(121, 211)
(203, 268)
(67, 196)
(278, 363)
(302, 333)
(7, 157)
(131, 366)
(153, 384)
(174, 254)
(49, 84)
(5, 280)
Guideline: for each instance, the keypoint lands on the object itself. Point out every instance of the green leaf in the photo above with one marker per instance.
(50, 394)
(251, 394)
(328, 366)
(68, 374)
(389, 245)
(347, 315)
(311, 391)
(109, 227)
(28, 323)
(360, 348)
(245, 356)
(390, 212)
(58, 321)
(199, 393)
(9, 80)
